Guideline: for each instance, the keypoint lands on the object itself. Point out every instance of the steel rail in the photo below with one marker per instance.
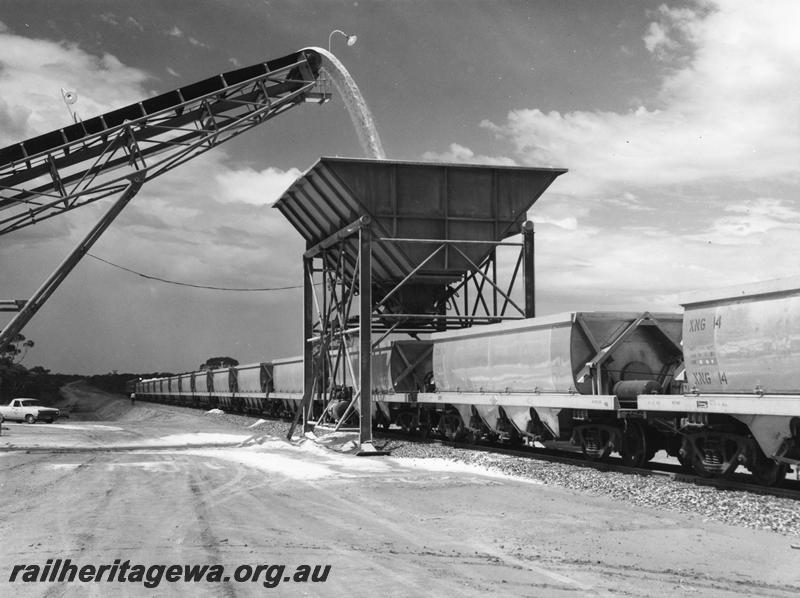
(790, 488)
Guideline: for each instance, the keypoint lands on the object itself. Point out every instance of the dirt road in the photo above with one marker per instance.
(385, 526)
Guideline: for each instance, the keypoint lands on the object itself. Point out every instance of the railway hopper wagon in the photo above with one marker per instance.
(271, 388)
(394, 378)
(275, 388)
(287, 391)
(252, 382)
(741, 401)
(223, 386)
(572, 376)
(185, 385)
(400, 371)
(171, 388)
(202, 394)
(716, 387)
(161, 389)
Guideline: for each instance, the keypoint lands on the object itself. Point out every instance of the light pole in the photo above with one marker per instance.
(70, 97)
(351, 39)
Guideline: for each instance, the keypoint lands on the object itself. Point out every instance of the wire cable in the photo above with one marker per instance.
(188, 284)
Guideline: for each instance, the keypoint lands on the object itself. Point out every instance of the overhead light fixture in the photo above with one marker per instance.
(351, 39)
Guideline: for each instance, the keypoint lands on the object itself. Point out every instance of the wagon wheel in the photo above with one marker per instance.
(685, 461)
(450, 425)
(634, 450)
(515, 438)
(406, 421)
(381, 421)
(766, 471)
(424, 429)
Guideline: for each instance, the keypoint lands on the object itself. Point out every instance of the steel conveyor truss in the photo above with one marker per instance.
(92, 159)
(114, 154)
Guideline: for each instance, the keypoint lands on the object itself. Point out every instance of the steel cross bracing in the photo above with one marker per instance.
(82, 163)
(117, 152)
(347, 316)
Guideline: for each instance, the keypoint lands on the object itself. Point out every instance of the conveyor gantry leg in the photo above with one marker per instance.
(43, 293)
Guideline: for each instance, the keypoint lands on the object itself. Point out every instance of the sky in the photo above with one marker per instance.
(679, 123)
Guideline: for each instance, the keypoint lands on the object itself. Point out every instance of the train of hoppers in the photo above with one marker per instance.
(717, 386)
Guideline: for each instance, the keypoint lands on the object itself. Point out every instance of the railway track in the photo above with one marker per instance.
(789, 489)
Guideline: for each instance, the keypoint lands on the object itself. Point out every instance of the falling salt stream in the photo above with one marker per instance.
(356, 106)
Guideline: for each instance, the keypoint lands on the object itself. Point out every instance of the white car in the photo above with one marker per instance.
(28, 410)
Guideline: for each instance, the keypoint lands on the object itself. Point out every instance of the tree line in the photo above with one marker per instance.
(40, 383)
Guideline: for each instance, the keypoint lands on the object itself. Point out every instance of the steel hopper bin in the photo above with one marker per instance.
(411, 200)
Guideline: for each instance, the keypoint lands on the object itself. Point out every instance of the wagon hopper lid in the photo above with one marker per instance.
(756, 291)
(560, 353)
(415, 200)
(744, 340)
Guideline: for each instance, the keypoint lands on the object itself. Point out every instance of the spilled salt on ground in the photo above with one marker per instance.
(310, 461)
(60, 426)
(304, 461)
(445, 466)
(294, 468)
(195, 438)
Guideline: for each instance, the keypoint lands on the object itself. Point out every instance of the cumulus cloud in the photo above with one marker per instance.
(177, 32)
(731, 111)
(664, 198)
(197, 42)
(458, 154)
(749, 222)
(130, 21)
(254, 187)
(657, 38)
(207, 222)
(674, 32)
(32, 71)
(108, 18)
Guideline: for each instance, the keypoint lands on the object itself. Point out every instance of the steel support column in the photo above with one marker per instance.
(528, 272)
(308, 349)
(365, 335)
(304, 410)
(49, 286)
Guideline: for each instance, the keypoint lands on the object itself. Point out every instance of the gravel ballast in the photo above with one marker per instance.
(734, 507)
